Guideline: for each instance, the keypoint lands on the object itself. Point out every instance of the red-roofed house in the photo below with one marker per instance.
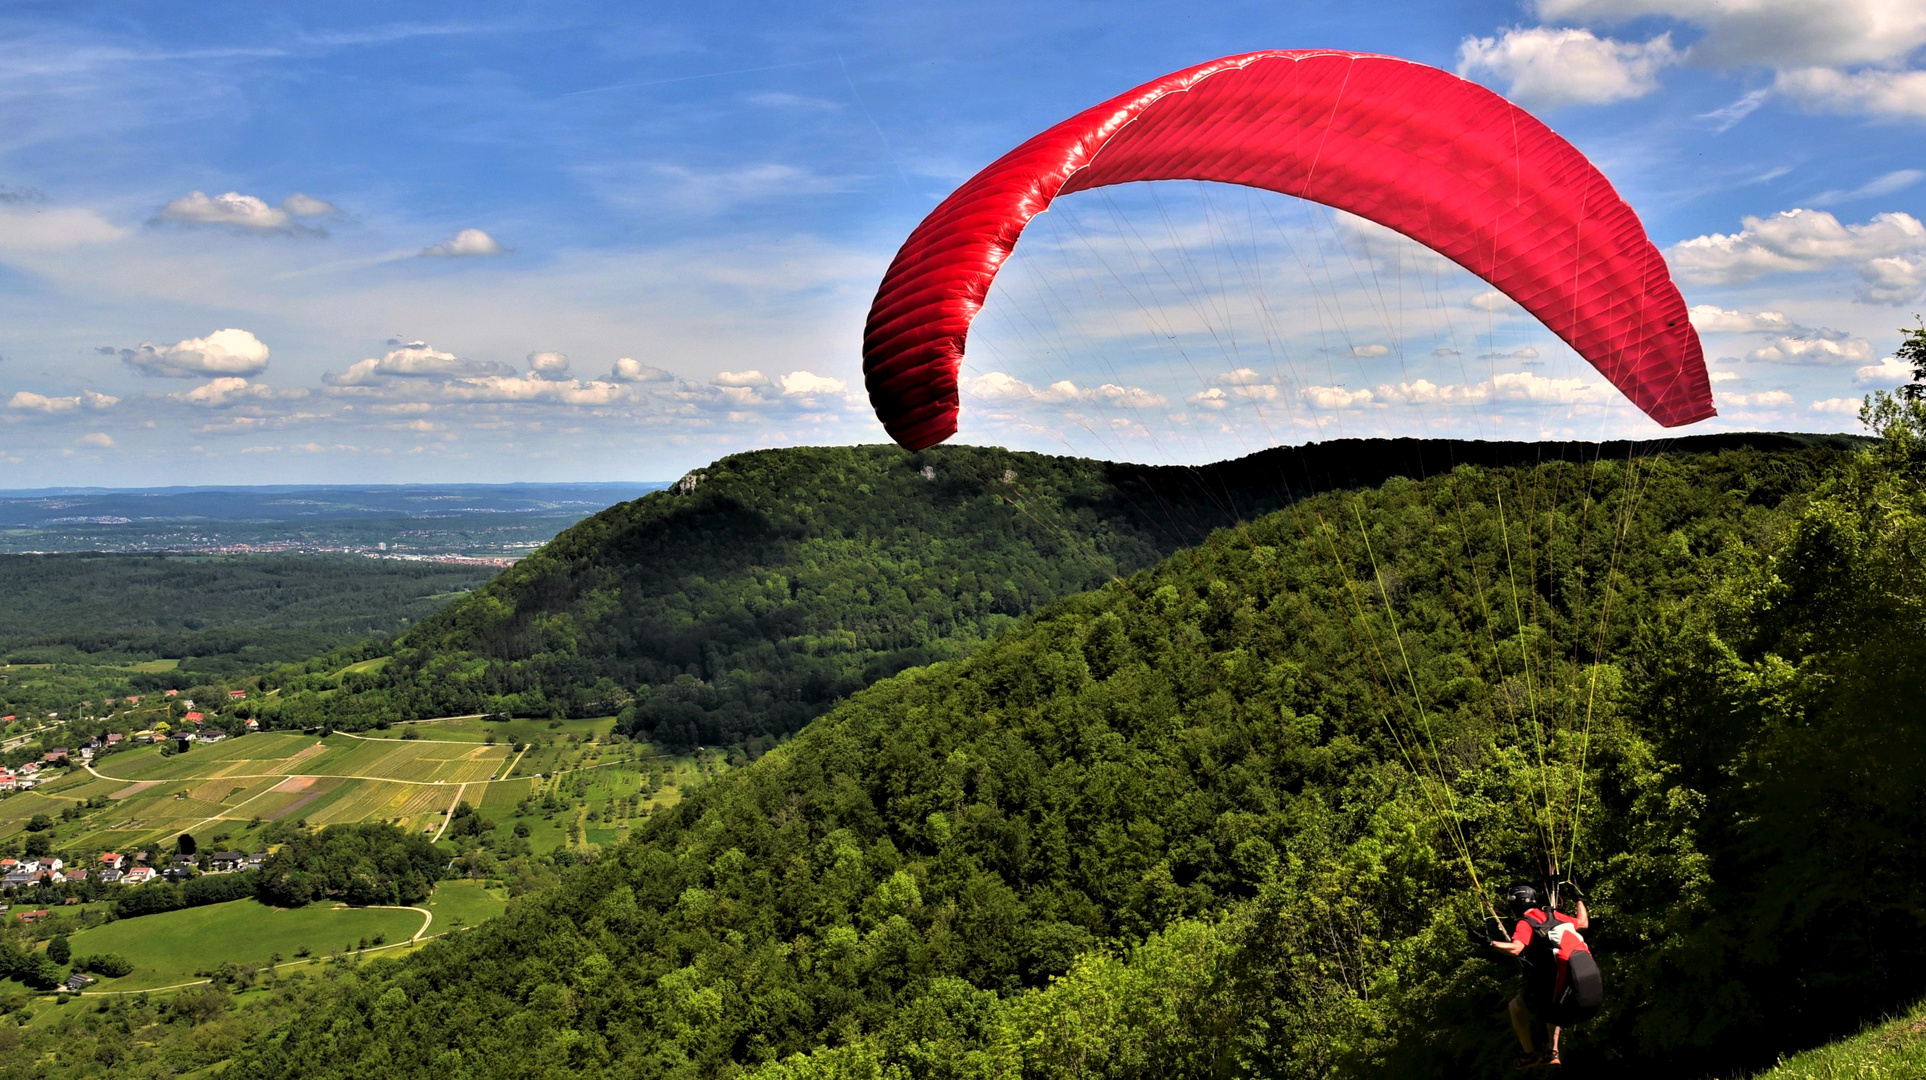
(75, 877)
(134, 700)
(193, 718)
(252, 724)
(170, 693)
(113, 861)
(55, 754)
(236, 695)
(114, 737)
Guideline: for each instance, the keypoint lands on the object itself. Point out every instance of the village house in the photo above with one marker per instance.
(170, 693)
(113, 861)
(29, 768)
(34, 916)
(213, 736)
(108, 877)
(6, 780)
(114, 738)
(76, 981)
(134, 700)
(18, 878)
(193, 718)
(237, 695)
(225, 861)
(255, 860)
(252, 724)
(92, 743)
(75, 877)
(139, 875)
(54, 755)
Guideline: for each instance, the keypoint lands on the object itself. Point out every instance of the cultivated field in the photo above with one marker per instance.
(224, 793)
(244, 783)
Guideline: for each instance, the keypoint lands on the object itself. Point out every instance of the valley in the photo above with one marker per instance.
(1208, 789)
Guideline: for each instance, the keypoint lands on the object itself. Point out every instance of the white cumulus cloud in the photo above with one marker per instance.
(414, 360)
(1890, 371)
(1843, 405)
(1548, 66)
(233, 390)
(804, 383)
(28, 401)
(1815, 347)
(224, 352)
(1001, 387)
(1761, 400)
(1778, 32)
(1883, 93)
(1370, 350)
(1713, 319)
(548, 365)
(1493, 300)
(629, 369)
(244, 212)
(1335, 397)
(99, 438)
(1883, 250)
(464, 244)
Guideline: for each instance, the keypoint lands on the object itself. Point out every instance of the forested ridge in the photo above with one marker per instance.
(773, 584)
(219, 613)
(1174, 826)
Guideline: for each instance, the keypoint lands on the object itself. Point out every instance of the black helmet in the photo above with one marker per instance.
(1522, 898)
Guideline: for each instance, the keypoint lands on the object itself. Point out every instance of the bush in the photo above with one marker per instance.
(59, 950)
(156, 898)
(106, 965)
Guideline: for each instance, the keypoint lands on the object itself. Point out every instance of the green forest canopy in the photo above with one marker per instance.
(784, 580)
(1176, 825)
(226, 612)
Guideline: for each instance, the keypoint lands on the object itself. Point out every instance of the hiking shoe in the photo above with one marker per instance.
(1526, 1061)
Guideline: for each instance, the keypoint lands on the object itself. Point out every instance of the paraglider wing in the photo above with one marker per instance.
(1440, 159)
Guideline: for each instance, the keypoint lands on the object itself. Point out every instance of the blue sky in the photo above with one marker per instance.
(252, 243)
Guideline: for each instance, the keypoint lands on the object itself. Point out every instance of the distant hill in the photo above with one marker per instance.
(772, 584)
(489, 520)
(222, 614)
(1214, 818)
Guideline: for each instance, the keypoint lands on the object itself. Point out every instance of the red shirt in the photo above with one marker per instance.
(1563, 930)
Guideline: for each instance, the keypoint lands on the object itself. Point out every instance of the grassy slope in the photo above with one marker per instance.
(1893, 1050)
(167, 949)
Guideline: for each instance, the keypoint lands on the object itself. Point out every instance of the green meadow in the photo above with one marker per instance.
(169, 949)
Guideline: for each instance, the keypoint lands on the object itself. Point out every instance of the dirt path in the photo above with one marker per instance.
(449, 815)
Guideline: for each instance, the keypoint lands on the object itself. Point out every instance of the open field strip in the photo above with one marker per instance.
(169, 948)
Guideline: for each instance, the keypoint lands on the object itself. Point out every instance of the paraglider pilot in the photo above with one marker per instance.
(1561, 981)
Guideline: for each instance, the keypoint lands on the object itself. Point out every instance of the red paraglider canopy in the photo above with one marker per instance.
(1440, 159)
